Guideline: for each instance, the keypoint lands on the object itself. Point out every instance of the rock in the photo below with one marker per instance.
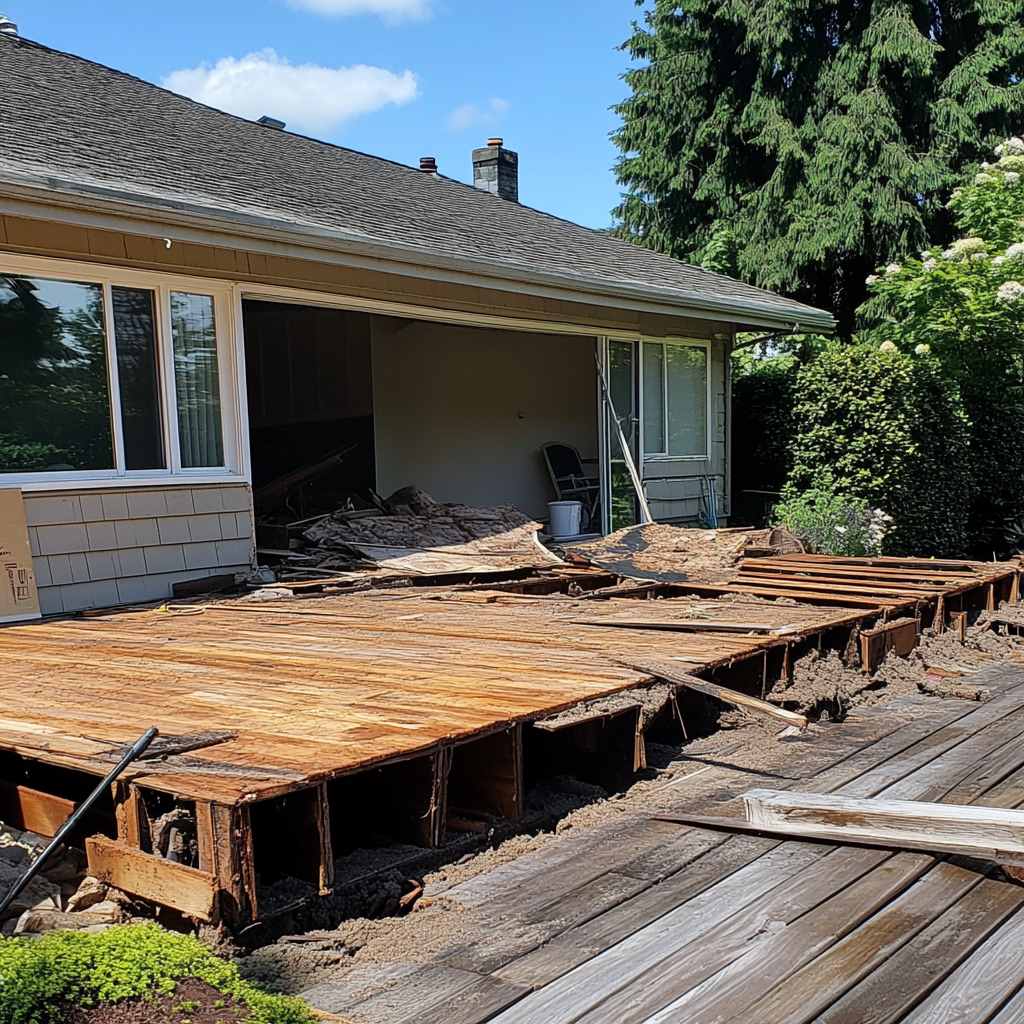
(40, 892)
(66, 866)
(88, 894)
(43, 920)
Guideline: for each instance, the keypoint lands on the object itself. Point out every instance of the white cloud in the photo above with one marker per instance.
(471, 115)
(390, 10)
(307, 96)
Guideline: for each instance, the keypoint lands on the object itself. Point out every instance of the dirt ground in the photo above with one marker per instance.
(192, 1001)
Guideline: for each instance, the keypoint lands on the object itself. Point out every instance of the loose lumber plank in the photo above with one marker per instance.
(882, 736)
(189, 890)
(671, 674)
(993, 833)
(690, 626)
(557, 956)
(33, 810)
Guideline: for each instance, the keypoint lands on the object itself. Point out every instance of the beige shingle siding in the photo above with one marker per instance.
(93, 549)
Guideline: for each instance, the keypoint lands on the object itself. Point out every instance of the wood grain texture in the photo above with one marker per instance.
(316, 688)
(189, 890)
(992, 833)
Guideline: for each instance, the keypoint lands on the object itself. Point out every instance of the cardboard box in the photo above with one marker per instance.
(19, 598)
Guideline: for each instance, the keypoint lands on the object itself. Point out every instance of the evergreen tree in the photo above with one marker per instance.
(801, 143)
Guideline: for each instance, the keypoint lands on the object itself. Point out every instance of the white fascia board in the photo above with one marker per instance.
(104, 207)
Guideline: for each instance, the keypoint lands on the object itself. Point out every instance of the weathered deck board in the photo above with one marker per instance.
(318, 687)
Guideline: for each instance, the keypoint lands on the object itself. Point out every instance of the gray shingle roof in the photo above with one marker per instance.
(67, 118)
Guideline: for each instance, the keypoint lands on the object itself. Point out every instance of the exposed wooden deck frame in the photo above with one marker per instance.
(441, 680)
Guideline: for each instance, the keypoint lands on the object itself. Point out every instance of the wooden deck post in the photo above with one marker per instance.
(225, 851)
(126, 813)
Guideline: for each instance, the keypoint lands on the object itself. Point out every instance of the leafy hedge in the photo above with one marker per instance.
(889, 428)
(40, 978)
(764, 391)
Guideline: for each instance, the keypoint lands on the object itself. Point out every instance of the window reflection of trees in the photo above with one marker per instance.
(54, 393)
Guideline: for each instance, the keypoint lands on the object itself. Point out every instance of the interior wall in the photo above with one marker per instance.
(462, 411)
(309, 393)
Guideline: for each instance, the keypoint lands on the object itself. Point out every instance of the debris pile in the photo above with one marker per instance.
(668, 554)
(412, 534)
(62, 896)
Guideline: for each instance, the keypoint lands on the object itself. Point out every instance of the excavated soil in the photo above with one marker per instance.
(652, 700)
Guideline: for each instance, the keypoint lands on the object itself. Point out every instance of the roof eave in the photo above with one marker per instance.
(67, 196)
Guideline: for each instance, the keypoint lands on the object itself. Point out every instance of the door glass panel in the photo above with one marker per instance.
(687, 369)
(138, 378)
(54, 388)
(622, 388)
(654, 398)
(196, 380)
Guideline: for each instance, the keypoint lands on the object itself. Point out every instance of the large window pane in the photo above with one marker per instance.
(687, 369)
(654, 398)
(138, 378)
(54, 391)
(196, 380)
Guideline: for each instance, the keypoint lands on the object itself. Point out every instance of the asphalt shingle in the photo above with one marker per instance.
(68, 118)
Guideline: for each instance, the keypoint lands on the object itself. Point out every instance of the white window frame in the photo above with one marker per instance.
(663, 343)
(235, 468)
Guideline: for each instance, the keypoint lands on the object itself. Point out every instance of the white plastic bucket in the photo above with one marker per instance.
(565, 518)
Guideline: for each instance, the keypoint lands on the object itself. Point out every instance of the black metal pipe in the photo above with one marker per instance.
(136, 749)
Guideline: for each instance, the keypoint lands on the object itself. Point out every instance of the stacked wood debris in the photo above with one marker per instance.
(414, 534)
(658, 551)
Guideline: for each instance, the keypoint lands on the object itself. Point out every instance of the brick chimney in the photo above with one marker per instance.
(496, 169)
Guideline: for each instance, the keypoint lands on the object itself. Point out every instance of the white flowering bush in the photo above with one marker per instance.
(965, 302)
(830, 523)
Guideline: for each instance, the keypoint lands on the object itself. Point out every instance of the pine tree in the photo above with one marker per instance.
(800, 144)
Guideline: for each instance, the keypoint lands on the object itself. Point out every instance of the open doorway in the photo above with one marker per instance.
(310, 395)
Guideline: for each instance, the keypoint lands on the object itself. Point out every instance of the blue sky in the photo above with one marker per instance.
(397, 78)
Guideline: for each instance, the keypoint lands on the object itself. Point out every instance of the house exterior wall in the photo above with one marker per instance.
(87, 551)
(125, 545)
(680, 498)
(462, 412)
(147, 250)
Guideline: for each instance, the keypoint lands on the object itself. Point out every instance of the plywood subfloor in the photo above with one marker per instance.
(316, 688)
(323, 686)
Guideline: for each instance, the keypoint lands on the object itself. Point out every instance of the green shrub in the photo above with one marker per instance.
(831, 523)
(964, 304)
(39, 978)
(887, 427)
(763, 393)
